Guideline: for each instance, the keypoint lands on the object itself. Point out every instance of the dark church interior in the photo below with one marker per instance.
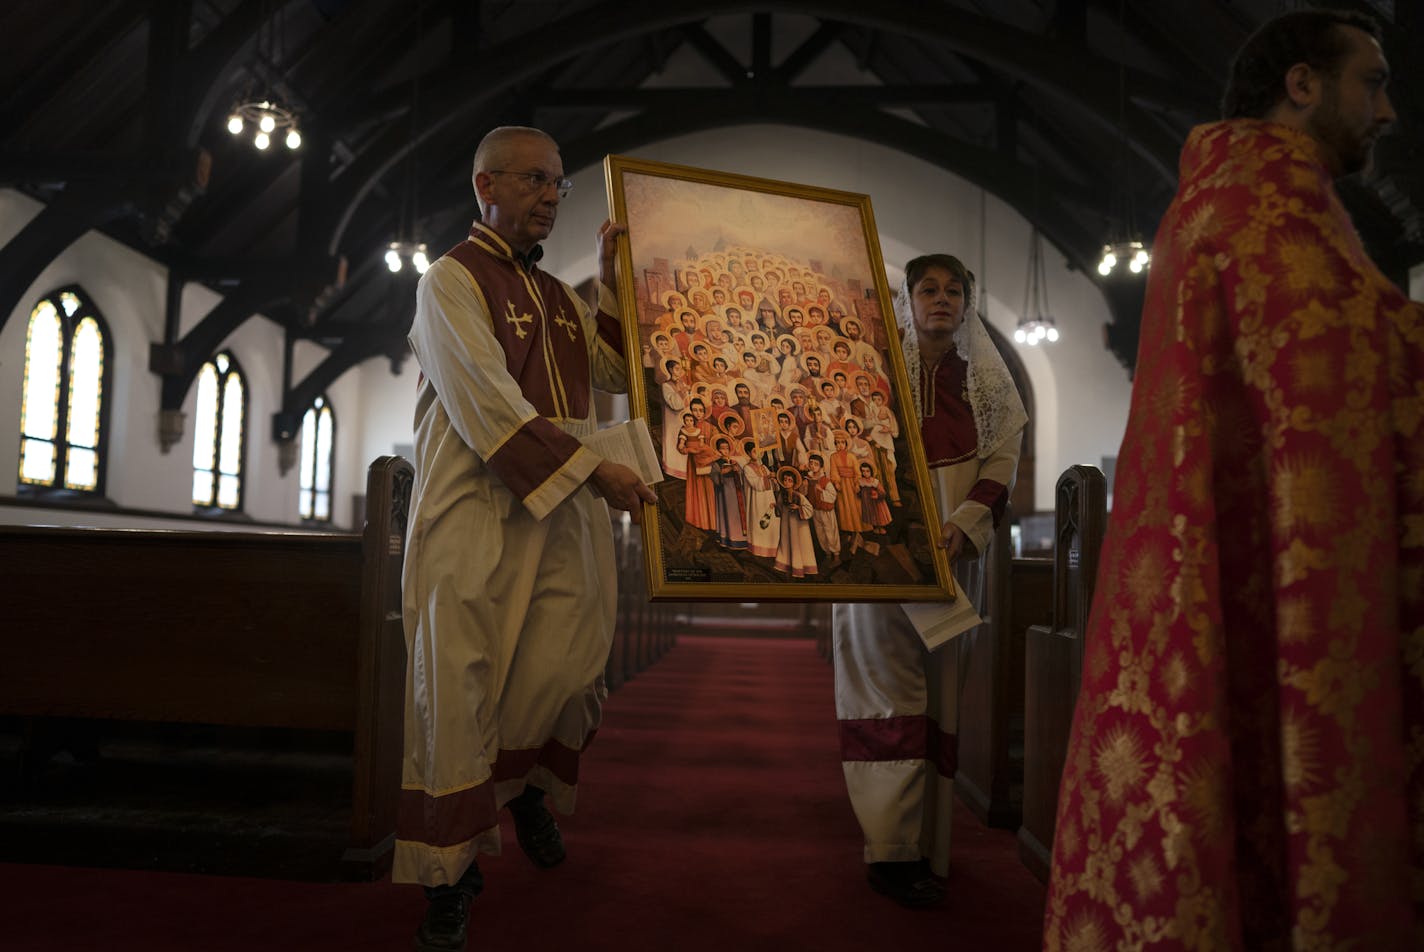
(200, 727)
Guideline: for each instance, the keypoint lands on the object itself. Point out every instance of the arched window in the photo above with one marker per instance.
(63, 415)
(218, 428)
(318, 454)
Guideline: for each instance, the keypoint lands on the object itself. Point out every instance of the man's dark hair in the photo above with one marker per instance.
(1313, 37)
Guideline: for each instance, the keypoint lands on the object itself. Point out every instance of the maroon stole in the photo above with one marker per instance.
(536, 321)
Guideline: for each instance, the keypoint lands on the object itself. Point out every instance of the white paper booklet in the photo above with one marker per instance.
(630, 444)
(939, 622)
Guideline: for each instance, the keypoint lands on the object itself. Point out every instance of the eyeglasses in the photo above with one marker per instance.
(538, 181)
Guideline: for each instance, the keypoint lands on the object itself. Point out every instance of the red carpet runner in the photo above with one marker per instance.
(712, 816)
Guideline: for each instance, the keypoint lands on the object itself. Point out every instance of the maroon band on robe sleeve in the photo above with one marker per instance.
(534, 453)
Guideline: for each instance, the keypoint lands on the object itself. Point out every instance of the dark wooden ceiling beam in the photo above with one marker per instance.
(353, 349)
(716, 55)
(801, 58)
(1088, 81)
(177, 362)
(102, 29)
(761, 46)
(57, 226)
(696, 97)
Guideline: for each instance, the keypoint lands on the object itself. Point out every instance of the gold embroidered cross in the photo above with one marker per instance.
(518, 321)
(567, 325)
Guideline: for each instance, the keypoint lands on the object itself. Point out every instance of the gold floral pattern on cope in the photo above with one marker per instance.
(1246, 768)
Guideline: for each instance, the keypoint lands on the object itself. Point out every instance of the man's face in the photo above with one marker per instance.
(518, 213)
(1354, 108)
(813, 365)
(744, 394)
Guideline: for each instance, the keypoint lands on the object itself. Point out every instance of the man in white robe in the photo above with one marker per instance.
(509, 584)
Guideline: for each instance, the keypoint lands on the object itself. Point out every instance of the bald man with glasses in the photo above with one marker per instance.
(509, 581)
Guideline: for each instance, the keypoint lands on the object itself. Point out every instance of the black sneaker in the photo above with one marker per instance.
(534, 827)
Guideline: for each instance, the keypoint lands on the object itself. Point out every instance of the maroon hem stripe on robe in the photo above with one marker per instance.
(910, 737)
(461, 816)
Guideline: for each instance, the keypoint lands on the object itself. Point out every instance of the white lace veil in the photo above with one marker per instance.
(998, 410)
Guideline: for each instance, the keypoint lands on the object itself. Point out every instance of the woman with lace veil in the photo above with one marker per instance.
(897, 703)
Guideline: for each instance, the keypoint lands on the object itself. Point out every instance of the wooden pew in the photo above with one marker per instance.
(644, 630)
(1054, 661)
(249, 632)
(1018, 593)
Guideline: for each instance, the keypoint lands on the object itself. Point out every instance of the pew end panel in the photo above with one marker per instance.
(1054, 657)
(989, 779)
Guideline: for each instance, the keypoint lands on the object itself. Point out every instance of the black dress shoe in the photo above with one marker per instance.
(535, 829)
(910, 884)
(443, 928)
(447, 917)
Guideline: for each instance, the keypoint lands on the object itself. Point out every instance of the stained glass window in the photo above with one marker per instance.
(62, 418)
(218, 427)
(317, 455)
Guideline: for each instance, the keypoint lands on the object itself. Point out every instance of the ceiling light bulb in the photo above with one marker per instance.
(1053, 335)
(261, 140)
(234, 124)
(1135, 266)
(420, 261)
(393, 260)
(1019, 336)
(267, 123)
(294, 139)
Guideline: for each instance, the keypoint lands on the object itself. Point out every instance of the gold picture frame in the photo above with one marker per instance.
(763, 354)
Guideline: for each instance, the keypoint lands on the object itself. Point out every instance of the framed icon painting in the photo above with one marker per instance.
(764, 356)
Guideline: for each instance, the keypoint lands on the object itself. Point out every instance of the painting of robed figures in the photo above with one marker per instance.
(773, 384)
